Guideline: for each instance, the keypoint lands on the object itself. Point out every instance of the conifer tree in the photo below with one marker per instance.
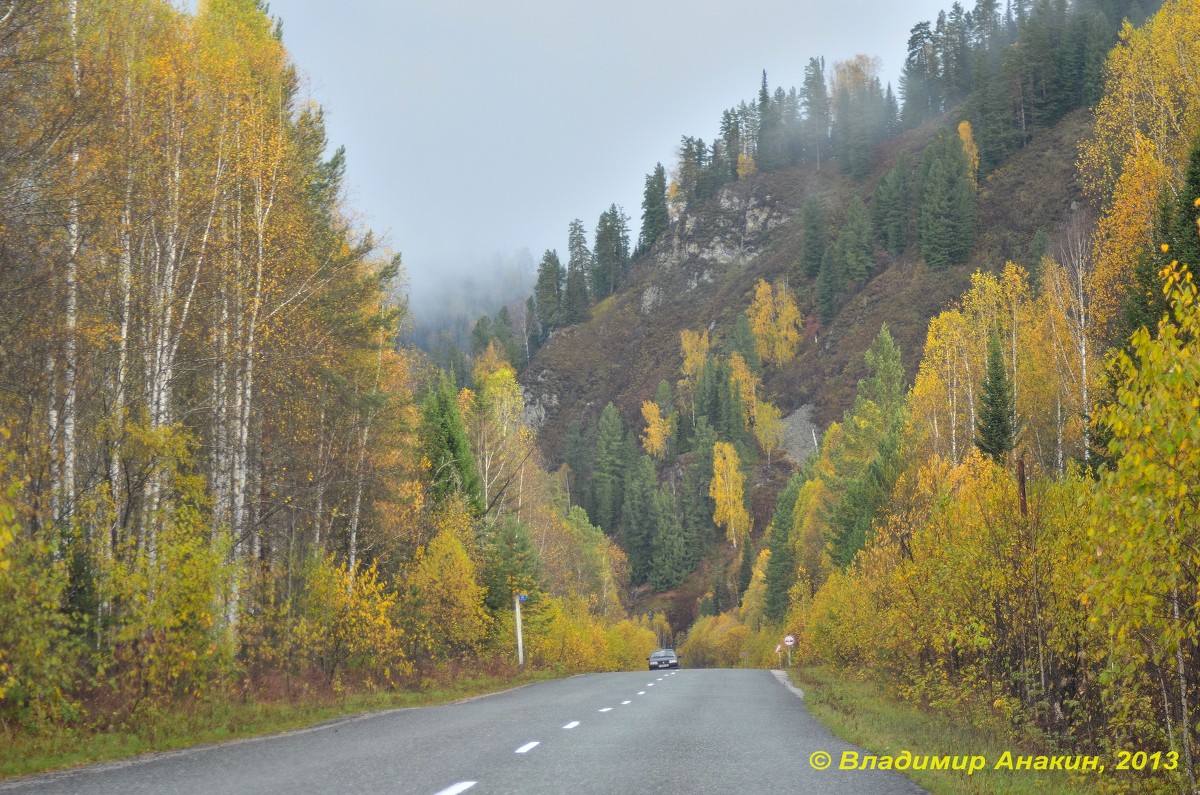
(816, 239)
(547, 292)
(608, 470)
(669, 562)
(814, 97)
(610, 261)
(781, 566)
(654, 208)
(885, 385)
(946, 222)
(511, 565)
(995, 434)
(829, 285)
(575, 299)
(639, 519)
(452, 465)
(741, 340)
(731, 137)
(853, 249)
(577, 454)
(890, 208)
(698, 526)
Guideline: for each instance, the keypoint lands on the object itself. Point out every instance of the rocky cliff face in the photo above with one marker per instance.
(702, 273)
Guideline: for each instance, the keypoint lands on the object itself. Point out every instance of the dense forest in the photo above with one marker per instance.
(221, 473)
(225, 476)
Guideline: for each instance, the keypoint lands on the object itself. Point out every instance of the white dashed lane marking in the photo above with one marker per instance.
(606, 709)
(623, 703)
(461, 786)
(641, 692)
(571, 725)
(527, 747)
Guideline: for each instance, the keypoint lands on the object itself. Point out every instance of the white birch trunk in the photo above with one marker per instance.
(71, 278)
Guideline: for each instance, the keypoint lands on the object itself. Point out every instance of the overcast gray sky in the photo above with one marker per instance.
(481, 126)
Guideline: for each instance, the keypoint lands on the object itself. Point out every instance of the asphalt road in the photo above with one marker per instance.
(687, 731)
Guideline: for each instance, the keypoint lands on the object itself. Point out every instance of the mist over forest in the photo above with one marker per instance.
(445, 302)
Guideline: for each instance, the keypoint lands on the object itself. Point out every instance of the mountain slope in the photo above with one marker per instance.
(701, 275)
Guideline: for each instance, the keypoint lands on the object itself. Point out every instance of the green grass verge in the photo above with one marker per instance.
(216, 722)
(865, 714)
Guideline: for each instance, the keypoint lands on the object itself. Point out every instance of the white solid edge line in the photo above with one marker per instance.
(527, 747)
(461, 786)
(571, 725)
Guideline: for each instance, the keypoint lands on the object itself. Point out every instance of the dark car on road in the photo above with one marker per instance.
(664, 658)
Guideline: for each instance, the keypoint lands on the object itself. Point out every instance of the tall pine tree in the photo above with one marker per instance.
(995, 432)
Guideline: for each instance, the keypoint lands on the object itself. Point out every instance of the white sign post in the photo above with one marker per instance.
(517, 599)
(789, 641)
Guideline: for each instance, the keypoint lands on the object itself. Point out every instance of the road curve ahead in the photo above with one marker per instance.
(687, 731)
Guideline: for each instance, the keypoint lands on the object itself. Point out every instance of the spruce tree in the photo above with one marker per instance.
(816, 238)
(669, 562)
(447, 448)
(731, 137)
(577, 454)
(639, 520)
(654, 208)
(610, 260)
(995, 434)
(699, 530)
(781, 566)
(853, 249)
(579, 264)
(885, 385)
(890, 208)
(1184, 244)
(829, 286)
(608, 470)
(741, 340)
(946, 218)
(745, 569)
(547, 292)
(814, 97)
(511, 565)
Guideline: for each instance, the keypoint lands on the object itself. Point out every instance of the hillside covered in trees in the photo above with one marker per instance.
(906, 371)
(222, 478)
(986, 307)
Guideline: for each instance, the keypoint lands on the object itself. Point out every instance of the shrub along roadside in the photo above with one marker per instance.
(222, 721)
(863, 713)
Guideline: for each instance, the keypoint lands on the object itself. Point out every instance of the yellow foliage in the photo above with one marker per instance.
(727, 490)
(446, 599)
(36, 656)
(1151, 99)
(695, 352)
(714, 642)
(347, 622)
(768, 427)
(755, 599)
(775, 322)
(657, 432)
(971, 150)
(747, 383)
(745, 165)
(1143, 586)
(1125, 230)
